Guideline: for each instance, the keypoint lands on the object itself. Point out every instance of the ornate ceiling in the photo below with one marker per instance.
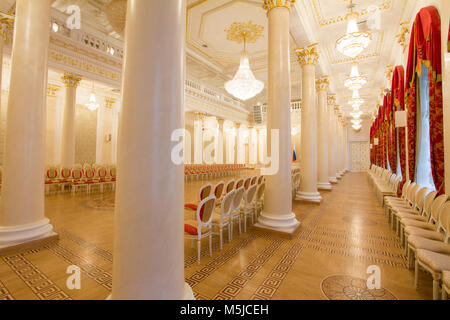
(213, 59)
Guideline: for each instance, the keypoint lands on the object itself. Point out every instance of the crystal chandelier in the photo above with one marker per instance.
(355, 81)
(354, 42)
(356, 100)
(92, 104)
(244, 85)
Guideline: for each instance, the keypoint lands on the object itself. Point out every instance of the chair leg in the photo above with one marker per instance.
(221, 237)
(239, 220)
(199, 245)
(410, 258)
(210, 244)
(444, 293)
(435, 289)
(416, 274)
(245, 223)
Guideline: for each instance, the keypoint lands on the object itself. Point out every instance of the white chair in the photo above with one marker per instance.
(259, 199)
(221, 216)
(200, 228)
(235, 213)
(218, 189)
(248, 208)
(204, 192)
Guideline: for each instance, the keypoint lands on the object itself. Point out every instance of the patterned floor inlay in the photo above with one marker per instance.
(37, 281)
(343, 287)
(359, 221)
(103, 202)
(4, 293)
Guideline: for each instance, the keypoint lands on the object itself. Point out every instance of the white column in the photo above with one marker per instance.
(262, 145)
(277, 213)
(115, 133)
(322, 134)
(68, 131)
(100, 135)
(308, 57)
(148, 241)
(239, 143)
(252, 146)
(22, 216)
(340, 153)
(331, 140)
(231, 142)
(198, 138)
(221, 143)
(337, 151)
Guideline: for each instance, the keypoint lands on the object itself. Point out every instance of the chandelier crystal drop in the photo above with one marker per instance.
(353, 42)
(356, 100)
(244, 85)
(355, 81)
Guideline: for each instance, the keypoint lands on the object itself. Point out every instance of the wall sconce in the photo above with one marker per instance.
(108, 137)
(400, 119)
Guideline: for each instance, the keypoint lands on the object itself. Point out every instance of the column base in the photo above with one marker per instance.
(338, 176)
(25, 236)
(324, 186)
(333, 180)
(286, 225)
(188, 293)
(314, 197)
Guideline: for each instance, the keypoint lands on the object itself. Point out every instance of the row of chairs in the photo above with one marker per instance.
(221, 207)
(421, 219)
(86, 177)
(207, 171)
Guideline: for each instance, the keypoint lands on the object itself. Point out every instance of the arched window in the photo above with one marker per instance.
(424, 175)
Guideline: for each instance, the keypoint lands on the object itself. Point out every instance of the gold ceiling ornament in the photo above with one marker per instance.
(331, 100)
(403, 36)
(389, 71)
(116, 12)
(52, 89)
(71, 79)
(322, 83)
(271, 4)
(109, 102)
(244, 32)
(308, 55)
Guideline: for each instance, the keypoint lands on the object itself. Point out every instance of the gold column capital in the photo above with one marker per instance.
(389, 71)
(109, 102)
(71, 79)
(331, 100)
(271, 4)
(322, 83)
(6, 22)
(52, 89)
(308, 55)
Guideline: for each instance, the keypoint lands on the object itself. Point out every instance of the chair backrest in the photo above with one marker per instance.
(250, 195)
(247, 183)
(405, 189)
(52, 173)
(102, 172)
(77, 173)
(260, 192)
(412, 194)
(205, 211)
(227, 203)
(436, 208)
(66, 173)
(89, 173)
(230, 186)
(260, 179)
(444, 221)
(254, 180)
(239, 183)
(204, 192)
(218, 189)
(419, 199)
(429, 199)
(238, 196)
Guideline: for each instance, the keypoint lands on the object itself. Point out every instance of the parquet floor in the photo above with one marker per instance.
(328, 259)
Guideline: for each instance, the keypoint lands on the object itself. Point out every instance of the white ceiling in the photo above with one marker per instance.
(213, 59)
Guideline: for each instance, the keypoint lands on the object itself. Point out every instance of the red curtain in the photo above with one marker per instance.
(391, 134)
(425, 48)
(398, 104)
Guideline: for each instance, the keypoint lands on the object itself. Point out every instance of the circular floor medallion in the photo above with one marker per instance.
(343, 287)
(100, 203)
